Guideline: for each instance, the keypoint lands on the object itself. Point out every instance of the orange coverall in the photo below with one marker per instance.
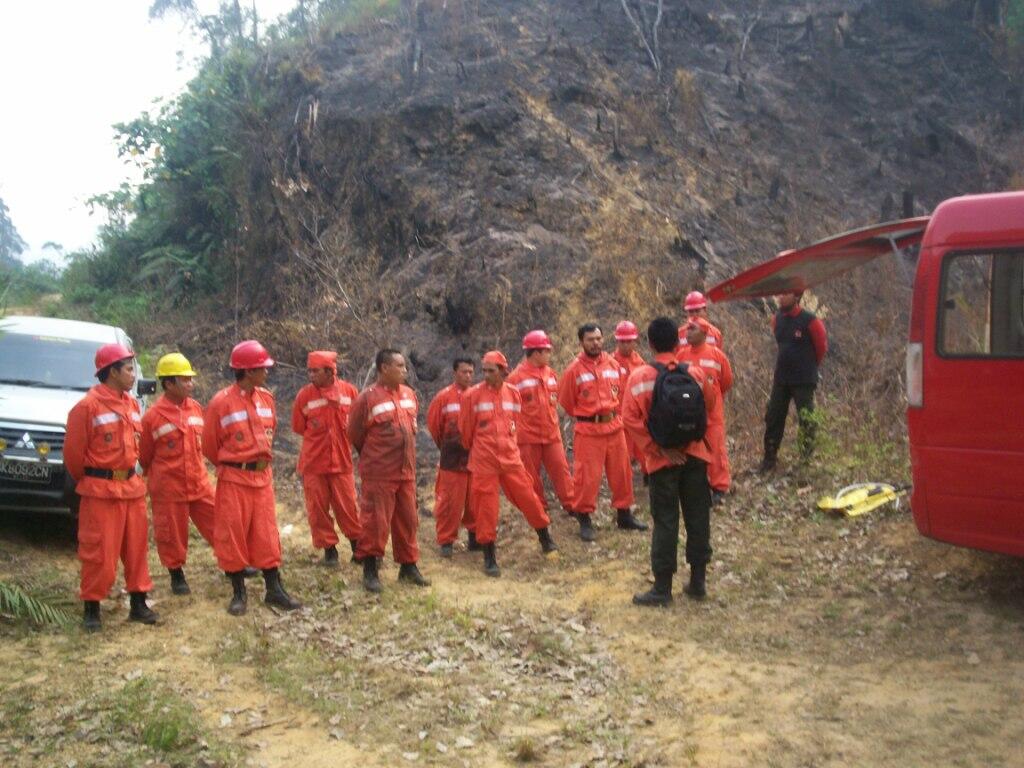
(488, 424)
(239, 428)
(325, 461)
(713, 361)
(537, 432)
(103, 434)
(590, 391)
(626, 366)
(171, 453)
(451, 489)
(382, 427)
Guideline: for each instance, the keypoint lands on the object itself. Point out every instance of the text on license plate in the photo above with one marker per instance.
(26, 471)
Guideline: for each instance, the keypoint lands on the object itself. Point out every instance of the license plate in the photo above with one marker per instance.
(24, 471)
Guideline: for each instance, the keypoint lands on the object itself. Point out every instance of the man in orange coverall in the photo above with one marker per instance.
(101, 449)
(537, 431)
(678, 475)
(697, 306)
(320, 415)
(382, 427)
(591, 391)
(171, 454)
(451, 488)
(718, 371)
(238, 437)
(629, 360)
(487, 421)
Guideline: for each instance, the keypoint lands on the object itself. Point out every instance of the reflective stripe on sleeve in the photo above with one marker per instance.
(483, 407)
(552, 382)
(345, 400)
(105, 418)
(233, 418)
(136, 417)
(163, 430)
(506, 405)
(527, 384)
(452, 408)
(643, 386)
(705, 363)
(610, 374)
(406, 403)
(583, 378)
(264, 413)
(195, 421)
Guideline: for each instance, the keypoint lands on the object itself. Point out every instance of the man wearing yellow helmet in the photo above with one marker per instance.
(171, 455)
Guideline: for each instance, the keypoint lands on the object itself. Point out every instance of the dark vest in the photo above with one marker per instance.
(796, 363)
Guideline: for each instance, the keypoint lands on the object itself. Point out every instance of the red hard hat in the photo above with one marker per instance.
(250, 354)
(109, 354)
(536, 340)
(694, 300)
(322, 359)
(626, 331)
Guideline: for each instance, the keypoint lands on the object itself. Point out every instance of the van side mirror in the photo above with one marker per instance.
(147, 386)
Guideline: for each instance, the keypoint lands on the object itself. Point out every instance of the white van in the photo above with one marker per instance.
(46, 366)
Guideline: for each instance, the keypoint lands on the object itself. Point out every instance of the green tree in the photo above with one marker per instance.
(11, 244)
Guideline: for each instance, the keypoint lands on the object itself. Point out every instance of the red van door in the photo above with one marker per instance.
(967, 434)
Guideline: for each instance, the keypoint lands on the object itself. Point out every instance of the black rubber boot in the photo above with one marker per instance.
(249, 572)
(660, 594)
(275, 591)
(586, 527)
(697, 588)
(491, 561)
(91, 616)
(471, 543)
(141, 612)
(717, 497)
(547, 544)
(768, 464)
(178, 584)
(331, 556)
(624, 520)
(239, 598)
(410, 573)
(446, 551)
(371, 579)
(354, 543)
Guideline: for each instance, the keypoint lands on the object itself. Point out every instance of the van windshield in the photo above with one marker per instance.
(46, 361)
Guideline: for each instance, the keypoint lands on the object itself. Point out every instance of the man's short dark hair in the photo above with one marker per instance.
(385, 356)
(663, 334)
(104, 373)
(239, 373)
(165, 379)
(531, 352)
(462, 361)
(586, 328)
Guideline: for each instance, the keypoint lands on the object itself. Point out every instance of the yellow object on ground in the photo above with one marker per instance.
(861, 498)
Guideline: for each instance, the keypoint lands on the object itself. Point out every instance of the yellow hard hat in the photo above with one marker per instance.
(174, 364)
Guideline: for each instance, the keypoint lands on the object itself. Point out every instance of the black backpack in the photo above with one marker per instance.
(678, 415)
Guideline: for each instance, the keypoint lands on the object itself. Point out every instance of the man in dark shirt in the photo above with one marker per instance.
(802, 346)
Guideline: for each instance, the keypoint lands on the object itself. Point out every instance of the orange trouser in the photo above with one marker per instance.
(719, 475)
(245, 527)
(552, 457)
(451, 505)
(109, 529)
(594, 455)
(326, 493)
(170, 527)
(518, 487)
(388, 507)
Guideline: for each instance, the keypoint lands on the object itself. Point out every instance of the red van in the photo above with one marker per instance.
(965, 357)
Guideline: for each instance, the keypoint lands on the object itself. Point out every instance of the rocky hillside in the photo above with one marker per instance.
(447, 178)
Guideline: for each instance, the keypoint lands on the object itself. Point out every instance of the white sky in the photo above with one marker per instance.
(69, 70)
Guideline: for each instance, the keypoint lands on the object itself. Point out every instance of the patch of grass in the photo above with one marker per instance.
(526, 751)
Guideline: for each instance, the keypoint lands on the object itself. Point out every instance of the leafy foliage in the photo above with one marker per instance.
(19, 604)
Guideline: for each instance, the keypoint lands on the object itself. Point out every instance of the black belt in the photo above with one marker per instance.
(110, 474)
(600, 418)
(251, 466)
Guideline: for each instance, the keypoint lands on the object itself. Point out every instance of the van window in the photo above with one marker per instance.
(46, 361)
(982, 305)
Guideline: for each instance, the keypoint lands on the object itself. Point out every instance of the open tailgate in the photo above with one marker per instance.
(807, 267)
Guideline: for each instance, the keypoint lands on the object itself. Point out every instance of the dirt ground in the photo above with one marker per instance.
(823, 642)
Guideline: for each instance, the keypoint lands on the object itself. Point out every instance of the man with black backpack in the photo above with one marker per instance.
(665, 411)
